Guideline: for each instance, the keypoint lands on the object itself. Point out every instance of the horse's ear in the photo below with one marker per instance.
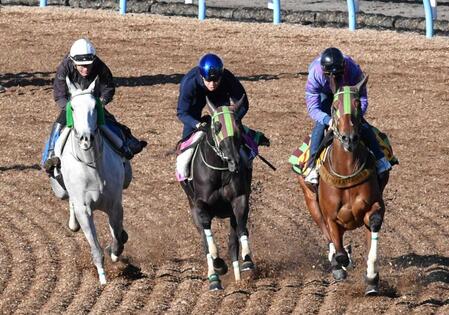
(70, 86)
(236, 105)
(333, 84)
(91, 87)
(362, 83)
(212, 108)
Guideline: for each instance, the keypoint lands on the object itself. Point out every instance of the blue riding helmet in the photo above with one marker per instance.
(211, 67)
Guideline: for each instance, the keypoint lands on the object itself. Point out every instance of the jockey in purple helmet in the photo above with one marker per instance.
(319, 98)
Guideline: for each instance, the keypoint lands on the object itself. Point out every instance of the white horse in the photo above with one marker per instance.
(94, 176)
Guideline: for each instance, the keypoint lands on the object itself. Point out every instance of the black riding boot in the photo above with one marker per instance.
(132, 145)
(52, 160)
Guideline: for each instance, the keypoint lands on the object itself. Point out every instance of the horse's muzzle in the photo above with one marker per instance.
(86, 141)
(350, 141)
(232, 166)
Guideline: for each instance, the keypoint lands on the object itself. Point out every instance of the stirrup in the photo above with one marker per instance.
(382, 165)
(51, 162)
(312, 177)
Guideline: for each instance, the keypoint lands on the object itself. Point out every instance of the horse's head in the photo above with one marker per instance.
(347, 114)
(83, 111)
(226, 132)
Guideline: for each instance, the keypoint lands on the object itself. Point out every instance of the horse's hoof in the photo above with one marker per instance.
(372, 290)
(114, 257)
(75, 228)
(214, 283)
(215, 286)
(220, 266)
(339, 274)
(342, 259)
(124, 237)
(372, 285)
(248, 264)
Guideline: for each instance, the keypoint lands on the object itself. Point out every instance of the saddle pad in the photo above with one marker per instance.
(189, 142)
(300, 156)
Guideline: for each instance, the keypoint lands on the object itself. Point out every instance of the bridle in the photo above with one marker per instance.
(218, 136)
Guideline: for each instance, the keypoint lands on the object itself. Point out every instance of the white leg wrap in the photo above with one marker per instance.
(245, 246)
(213, 251)
(236, 267)
(101, 276)
(210, 265)
(331, 251)
(371, 270)
(183, 162)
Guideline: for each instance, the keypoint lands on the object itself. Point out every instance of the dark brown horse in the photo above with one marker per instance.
(220, 188)
(349, 193)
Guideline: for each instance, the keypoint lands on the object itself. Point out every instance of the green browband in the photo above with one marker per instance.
(98, 106)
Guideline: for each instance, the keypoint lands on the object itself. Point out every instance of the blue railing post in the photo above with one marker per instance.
(429, 19)
(351, 15)
(122, 7)
(201, 9)
(276, 11)
(43, 3)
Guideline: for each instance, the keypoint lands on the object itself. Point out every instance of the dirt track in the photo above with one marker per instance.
(45, 268)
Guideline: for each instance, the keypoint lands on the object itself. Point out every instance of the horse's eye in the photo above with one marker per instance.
(217, 126)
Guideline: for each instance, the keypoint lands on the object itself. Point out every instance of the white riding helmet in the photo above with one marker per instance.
(82, 52)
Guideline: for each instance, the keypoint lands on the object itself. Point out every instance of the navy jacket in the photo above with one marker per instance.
(105, 90)
(192, 97)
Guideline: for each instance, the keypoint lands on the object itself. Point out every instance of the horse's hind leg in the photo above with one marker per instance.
(241, 210)
(119, 235)
(234, 248)
(73, 222)
(84, 216)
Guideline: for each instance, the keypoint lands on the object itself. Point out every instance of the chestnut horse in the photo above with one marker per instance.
(349, 192)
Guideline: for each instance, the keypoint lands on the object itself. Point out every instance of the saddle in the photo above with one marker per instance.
(300, 158)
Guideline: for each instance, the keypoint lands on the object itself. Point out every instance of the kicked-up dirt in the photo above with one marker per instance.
(47, 269)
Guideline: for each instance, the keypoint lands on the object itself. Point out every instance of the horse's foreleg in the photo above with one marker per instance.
(84, 216)
(340, 259)
(372, 236)
(234, 248)
(215, 265)
(314, 209)
(119, 235)
(372, 274)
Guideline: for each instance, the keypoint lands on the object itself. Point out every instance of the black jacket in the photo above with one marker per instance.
(105, 90)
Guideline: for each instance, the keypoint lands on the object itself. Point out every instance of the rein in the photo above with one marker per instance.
(333, 172)
(219, 154)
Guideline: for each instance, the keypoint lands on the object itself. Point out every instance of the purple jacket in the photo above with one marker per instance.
(318, 84)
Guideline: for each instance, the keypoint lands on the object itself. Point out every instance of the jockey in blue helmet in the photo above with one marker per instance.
(333, 64)
(209, 78)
